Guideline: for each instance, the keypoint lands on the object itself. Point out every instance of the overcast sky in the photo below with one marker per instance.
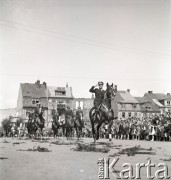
(127, 42)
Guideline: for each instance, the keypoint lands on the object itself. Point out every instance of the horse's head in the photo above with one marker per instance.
(110, 91)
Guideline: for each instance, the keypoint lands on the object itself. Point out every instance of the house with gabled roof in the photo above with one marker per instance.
(147, 107)
(30, 96)
(162, 101)
(125, 105)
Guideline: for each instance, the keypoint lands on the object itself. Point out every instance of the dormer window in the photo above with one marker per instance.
(168, 102)
(60, 91)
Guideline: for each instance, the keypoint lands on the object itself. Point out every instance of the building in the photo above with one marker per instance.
(125, 105)
(162, 101)
(147, 107)
(30, 96)
(58, 95)
(86, 104)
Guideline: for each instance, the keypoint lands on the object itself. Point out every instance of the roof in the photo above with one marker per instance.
(67, 90)
(142, 100)
(145, 102)
(158, 103)
(33, 90)
(152, 107)
(158, 96)
(125, 97)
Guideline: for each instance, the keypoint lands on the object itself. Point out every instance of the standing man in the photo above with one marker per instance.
(99, 94)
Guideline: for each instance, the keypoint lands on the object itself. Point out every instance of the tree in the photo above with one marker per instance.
(6, 123)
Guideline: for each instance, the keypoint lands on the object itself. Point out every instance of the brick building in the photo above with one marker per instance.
(30, 95)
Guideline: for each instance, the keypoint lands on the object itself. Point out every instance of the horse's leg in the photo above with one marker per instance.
(98, 127)
(110, 130)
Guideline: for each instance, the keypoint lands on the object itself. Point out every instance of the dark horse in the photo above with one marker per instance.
(31, 126)
(57, 123)
(78, 123)
(105, 114)
(69, 126)
(36, 122)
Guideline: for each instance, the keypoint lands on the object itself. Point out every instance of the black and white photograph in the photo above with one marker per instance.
(85, 89)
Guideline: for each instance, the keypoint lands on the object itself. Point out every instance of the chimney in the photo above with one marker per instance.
(128, 90)
(150, 92)
(38, 82)
(168, 94)
(44, 83)
(67, 84)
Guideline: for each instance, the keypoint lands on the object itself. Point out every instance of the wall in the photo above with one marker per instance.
(20, 99)
(87, 105)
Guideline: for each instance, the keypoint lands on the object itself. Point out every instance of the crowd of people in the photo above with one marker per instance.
(154, 128)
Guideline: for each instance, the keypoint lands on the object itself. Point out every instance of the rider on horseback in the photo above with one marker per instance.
(77, 114)
(99, 96)
(69, 112)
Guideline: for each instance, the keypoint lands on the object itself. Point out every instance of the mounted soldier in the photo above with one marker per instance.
(69, 112)
(69, 117)
(79, 123)
(79, 113)
(99, 96)
(102, 112)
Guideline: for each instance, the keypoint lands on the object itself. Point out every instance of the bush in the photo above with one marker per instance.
(6, 123)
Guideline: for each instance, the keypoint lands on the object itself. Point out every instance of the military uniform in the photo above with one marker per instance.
(69, 112)
(78, 112)
(99, 96)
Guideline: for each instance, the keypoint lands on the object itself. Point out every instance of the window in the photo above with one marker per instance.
(123, 114)
(134, 105)
(61, 93)
(81, 104)
(77, 104)
(123, 105)
(168, 102)
(35, 101)
(67, 101)
(129, 114)
(135, 113)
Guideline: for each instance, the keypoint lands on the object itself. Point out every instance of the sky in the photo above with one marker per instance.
(81, 42)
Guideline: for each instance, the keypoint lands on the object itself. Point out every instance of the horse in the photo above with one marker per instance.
(69, 126)
(31, 126)
(40, 121)
(55, 125)
(78, 123)
(105, 113)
